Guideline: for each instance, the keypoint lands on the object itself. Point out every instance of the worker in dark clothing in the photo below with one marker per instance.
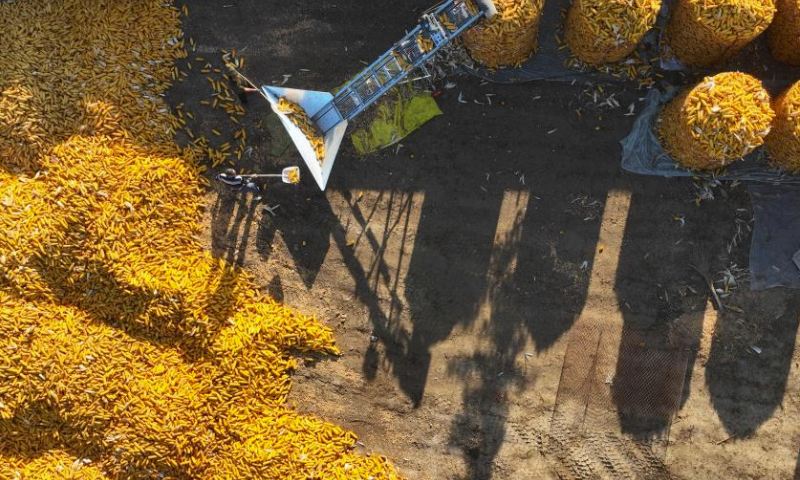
(244, 92)
(238, 183)
(241, 86)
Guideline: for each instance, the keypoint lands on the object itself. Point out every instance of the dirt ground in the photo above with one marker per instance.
(509, 303)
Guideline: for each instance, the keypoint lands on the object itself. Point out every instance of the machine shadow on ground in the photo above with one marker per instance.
(526, 281)
(657, 291)
(663, 322)
(509, 286)
(458, 265)
(747, 387)
(510, 277)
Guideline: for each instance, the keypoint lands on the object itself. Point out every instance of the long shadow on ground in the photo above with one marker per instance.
(662, 300)
(747, 387)
(656, 286)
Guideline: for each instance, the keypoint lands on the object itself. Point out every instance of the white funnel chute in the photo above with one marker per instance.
(311, 102)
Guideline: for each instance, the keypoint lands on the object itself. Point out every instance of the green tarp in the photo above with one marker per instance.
(394, 119)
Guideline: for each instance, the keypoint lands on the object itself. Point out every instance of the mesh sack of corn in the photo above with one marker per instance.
(720, 120)
(702, 33)
(510, 38)
(783, 36)
(602, 31)
(783, 141)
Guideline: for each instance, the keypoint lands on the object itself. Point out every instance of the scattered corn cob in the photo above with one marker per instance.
(299, 117)
(127, 351)
(510, 38)
(603, 31)
(783, 36)
(703, 33)
(720, 120)
(783, 141)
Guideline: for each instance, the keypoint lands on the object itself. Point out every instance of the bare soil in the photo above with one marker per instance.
(509, 303)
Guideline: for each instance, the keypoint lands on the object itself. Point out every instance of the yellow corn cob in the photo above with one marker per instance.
(299, 117)
(425, 44)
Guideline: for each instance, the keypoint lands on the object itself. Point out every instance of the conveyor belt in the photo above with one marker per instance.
(438, 27)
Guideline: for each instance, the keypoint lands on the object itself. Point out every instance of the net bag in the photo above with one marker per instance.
(703, 33)
(783, 36)
(508, 39)
(783, 141)
(604, 31)
(719, 121)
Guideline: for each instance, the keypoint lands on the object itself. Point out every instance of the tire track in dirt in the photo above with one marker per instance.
(584, 439)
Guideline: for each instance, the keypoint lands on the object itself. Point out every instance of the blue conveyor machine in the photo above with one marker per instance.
(330, 113)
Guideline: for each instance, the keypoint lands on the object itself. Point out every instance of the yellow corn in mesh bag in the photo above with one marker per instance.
(703, 33)
(783, 141)
(783, 36)
(604, 31)
(720, 120)
(508, 39)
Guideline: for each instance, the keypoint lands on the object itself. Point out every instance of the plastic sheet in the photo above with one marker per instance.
(775, 249)
(642, 152)
(394, 120)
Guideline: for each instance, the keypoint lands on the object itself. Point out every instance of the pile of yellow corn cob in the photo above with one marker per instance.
(127, 351)
(783, 36)
(783, 141)
(603, 31)
(720, 120)
(299, 117)
(510, 38)
(703, 33)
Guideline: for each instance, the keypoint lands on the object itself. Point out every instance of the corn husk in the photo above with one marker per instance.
(602, 31)
(720, 120)
(783, 141)
(783, 36)
(510, 38)
(703, 33)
